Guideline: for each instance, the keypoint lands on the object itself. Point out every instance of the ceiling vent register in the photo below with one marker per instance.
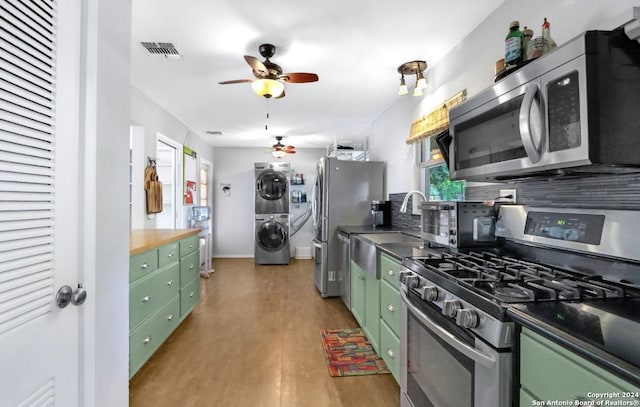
(166, 49)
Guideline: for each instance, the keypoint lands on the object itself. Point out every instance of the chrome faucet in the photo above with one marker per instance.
(403, 208)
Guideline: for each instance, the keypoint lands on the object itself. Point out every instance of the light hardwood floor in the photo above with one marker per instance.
(254, 340)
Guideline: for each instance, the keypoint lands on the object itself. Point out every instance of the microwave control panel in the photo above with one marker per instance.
(563, 99)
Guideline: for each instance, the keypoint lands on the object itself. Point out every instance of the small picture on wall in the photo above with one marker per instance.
(190, 175)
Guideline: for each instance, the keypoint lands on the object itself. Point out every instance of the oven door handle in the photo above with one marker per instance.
(479, 357)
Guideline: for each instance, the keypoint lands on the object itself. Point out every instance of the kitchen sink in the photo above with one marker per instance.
(390, 237)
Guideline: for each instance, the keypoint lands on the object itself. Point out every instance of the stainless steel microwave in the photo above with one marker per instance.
(574, 110)
(458, 224)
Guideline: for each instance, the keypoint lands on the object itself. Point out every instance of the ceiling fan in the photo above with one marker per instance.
(270, 80)
(280, 150)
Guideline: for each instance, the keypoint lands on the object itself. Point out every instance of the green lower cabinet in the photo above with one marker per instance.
(189, 296)
(549, 371)
(149, 335)
(372, 311)
(164, 288)
(390, 306)
(357, 292)
(527, 399)
(147, 294)
(390, 349)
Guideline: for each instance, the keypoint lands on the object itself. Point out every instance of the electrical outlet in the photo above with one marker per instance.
(503, 195)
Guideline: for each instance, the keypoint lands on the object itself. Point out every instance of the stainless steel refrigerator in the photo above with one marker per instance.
(342, 195)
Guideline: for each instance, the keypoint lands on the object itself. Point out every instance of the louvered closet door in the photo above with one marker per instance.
(39, 207)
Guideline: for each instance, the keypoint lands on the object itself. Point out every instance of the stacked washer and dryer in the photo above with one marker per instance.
(272, 213)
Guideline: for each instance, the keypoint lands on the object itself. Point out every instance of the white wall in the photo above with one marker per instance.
(104, 253)
(149, 120)
(471, 65)
(233, 216)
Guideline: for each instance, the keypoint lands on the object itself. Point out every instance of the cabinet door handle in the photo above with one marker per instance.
(170, 317)
(361, 277)
(170, 254)
(191, 294)
(146, 298)
(391, 353)
(170, 282)
(391, 308)
(190, 245)
(391, 272)
(144, 265)
(147, 339)
(190, 266)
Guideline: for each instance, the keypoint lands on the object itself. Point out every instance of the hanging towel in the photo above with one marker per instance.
(153, 186)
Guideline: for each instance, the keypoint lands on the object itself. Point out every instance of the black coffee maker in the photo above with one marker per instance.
(381, 214)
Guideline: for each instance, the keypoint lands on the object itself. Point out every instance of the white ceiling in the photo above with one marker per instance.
(355, 47)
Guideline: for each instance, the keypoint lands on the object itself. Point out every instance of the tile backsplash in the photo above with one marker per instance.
(603, 191)
(401, 220)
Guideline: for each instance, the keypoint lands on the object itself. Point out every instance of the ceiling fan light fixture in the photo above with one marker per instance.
(278, 153)
(417, 91)
(267, 88)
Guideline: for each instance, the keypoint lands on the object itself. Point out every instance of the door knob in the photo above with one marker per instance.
(68, 295)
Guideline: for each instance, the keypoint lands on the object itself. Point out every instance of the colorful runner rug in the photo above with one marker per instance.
(349, 353)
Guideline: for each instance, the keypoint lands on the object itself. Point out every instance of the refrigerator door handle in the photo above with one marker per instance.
(317, 244)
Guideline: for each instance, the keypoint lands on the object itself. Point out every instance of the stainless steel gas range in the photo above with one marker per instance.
(457, 337)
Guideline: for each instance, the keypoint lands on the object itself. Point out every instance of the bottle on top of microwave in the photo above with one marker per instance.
(549, 43)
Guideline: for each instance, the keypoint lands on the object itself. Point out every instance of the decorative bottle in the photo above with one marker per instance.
(549, 43)
(513, 45)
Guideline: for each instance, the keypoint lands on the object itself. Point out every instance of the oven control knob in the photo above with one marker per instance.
(430, 293)
(412, 281)
(452, 232)
(403, 276)
(451, 308)
(467, 318)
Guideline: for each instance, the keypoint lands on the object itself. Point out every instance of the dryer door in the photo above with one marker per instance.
(271, 185)
(272, 236)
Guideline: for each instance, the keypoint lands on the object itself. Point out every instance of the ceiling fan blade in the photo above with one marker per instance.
(290, 151)
(258, 67)
(289, 148)
(235, 81)
(299, 77)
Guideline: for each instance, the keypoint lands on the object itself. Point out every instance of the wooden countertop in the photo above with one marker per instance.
(141, 240)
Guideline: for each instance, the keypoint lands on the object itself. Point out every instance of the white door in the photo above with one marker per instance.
(39, 202)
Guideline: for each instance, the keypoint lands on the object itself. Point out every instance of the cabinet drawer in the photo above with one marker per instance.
(189, 296)
(189, 268)
(544, 364)
(390, 306)
(145, 339)
(168, 254)
(143, 264)
(390, 349)
(146, 295)
(189, 244)
(390, 270)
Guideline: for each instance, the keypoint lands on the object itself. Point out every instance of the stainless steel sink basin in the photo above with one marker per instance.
(390, 237)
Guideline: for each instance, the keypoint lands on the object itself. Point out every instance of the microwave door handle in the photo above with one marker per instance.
(533, 152)
(479, 357)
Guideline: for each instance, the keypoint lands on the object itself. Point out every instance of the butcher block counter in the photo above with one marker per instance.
(164, 287)
(141, 240)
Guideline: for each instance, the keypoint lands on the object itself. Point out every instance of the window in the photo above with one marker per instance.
(437, 185)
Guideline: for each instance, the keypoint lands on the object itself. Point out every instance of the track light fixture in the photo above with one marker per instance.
(416, 68)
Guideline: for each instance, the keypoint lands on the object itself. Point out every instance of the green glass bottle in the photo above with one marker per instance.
(514, 45)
